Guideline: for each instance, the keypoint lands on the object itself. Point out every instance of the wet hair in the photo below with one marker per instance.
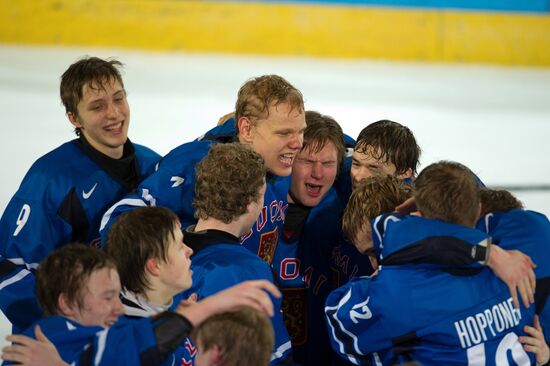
(373, 197)
(227, 180)
(137, 236)
(448, 191)
(321, 130)
(389, 141)
(91, 71)
(67, 271)
(258, 94)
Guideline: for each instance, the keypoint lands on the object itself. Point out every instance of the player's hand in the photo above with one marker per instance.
(249, 293)
(29, 351)
(191, 300)
(225, 117)
(535, 342)
(516, 270)
(407, 208)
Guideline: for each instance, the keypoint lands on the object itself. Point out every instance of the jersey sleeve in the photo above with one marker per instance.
(354, 328)
(171, 186)
(29, 230)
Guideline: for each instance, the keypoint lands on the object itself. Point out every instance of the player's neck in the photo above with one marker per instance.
(234, 228)
(159, 294)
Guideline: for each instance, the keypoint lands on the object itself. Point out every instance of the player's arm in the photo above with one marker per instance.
(354, 329)
(28, 232)
(27, 351)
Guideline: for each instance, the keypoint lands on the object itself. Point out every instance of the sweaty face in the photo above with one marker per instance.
(101, 304)
(313, 173)
(365, 165)
(279, 137)
(176, 273)
(103, 117)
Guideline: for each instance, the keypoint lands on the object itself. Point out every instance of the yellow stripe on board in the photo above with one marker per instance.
(281, 29)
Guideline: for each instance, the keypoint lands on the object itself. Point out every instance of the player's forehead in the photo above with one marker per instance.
(99, 88)
(102, 281)
(283, 117)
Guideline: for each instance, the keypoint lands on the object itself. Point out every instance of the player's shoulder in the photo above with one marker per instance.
(188, 153)
(143, 152)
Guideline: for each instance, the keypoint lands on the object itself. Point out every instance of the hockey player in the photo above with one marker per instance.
(513, 228)
(269, 118)
(447, 315)
(78, 288)
(311, 228)
(385, 148)
(153, 263)
(229, 195)
(241, 337)
(382, 148)
(65, 192)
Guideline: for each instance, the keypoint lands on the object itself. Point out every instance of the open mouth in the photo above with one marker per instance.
(313, 189)
(287, 159)
(115, 128)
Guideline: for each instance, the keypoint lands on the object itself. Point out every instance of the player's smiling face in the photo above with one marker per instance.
(313, 173)
(279, 137)
(103, 117)
(101, 304)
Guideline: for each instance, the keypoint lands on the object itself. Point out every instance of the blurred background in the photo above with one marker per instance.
(471, 78)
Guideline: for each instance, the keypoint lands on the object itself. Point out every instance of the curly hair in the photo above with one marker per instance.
(258, 94)
(227, 180)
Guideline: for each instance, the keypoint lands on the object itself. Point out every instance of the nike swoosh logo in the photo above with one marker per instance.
(87, 195)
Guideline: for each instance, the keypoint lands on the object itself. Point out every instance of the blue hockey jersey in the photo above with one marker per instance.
(220, 262)
(302, 264)
(127, 342)
(426, 312)
(173, 186)
(61, 199)
(137, 307)
(528, 232)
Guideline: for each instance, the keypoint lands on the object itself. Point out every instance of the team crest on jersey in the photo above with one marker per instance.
(294, 309)
(268, 243)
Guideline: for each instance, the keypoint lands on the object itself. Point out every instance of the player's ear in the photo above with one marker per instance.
(65, 307)
(74, 120)
(152, 266)
(407, 174)
(246, 130)
(216, 355)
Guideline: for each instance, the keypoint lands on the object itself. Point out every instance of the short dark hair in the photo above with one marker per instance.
(234, 332)
(66, 271)
(448, 191)
(137, 236)
(320, 130)
(498, 200)
(227, 180)
(258, 94)
(92, 71)
(390, 141)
